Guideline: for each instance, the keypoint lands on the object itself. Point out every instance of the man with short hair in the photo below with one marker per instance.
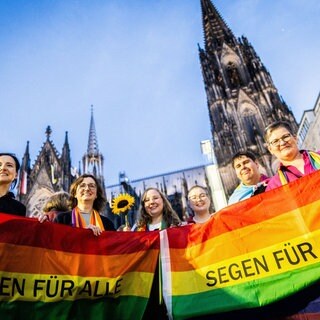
(294, 164)
(252, 181)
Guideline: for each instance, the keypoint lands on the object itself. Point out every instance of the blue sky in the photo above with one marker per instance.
(137, 63)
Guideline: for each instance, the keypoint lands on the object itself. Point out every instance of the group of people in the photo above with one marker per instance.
(282, 143)
(83, 205)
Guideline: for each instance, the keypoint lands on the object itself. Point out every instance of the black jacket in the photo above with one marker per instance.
(8, 204)
(66, 218)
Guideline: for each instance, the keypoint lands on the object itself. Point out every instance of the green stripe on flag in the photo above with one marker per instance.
(101, 309)
(248, 295)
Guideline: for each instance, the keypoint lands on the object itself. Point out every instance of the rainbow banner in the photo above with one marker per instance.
(51, 271)
(250, 254)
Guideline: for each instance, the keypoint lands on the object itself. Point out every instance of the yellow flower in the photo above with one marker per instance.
(122, 203)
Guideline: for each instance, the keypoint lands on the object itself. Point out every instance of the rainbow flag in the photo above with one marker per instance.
(51, 271)
(249, 255)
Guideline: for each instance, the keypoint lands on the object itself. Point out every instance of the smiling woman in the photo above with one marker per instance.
(9, 167)
(87, 200)
(294, 163)
(156, 212)
(200, 204)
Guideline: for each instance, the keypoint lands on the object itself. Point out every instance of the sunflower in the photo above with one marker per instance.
(122, 203)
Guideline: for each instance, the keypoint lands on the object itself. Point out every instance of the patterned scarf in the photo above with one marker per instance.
(315, 163)
(79, 222)
(146, 227)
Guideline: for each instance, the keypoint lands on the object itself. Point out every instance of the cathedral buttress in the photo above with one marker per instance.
(242, 99)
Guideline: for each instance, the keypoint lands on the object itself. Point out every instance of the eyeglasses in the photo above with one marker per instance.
(201, 196)
(91, 186)
(276, 142)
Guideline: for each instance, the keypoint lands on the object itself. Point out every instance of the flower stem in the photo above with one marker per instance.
(126, 220)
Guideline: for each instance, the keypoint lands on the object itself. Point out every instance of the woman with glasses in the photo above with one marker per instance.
(87, 203)
(9, 168)
(200, 205)
(293, 163)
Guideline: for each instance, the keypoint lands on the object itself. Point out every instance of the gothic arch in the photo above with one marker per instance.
(38, 200)
(231, 65)
(251, 121)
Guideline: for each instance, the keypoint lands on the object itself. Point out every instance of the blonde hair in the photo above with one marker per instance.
(59, 201)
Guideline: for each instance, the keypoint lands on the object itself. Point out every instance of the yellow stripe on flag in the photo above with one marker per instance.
(267, 262)
(53, 288)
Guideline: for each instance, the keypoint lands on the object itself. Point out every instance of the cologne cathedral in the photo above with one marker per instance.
(241, 97)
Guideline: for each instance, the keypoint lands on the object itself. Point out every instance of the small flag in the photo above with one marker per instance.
(23, 183)
(53, 179)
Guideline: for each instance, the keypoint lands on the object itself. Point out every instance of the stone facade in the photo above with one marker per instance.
(241, 97)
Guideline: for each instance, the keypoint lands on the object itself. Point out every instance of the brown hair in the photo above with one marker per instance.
(275, 125)
(211, 207)
(59, 201)
(99, 203)
(197, 186)
(240, 154)
(169, 216)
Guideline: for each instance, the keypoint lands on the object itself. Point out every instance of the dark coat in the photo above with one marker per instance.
(8, 204)
(66, 218)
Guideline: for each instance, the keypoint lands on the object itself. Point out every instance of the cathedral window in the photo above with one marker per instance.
(233, 75)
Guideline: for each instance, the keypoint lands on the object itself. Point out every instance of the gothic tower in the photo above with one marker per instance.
(241, 97)
(92, 160)
(50, 173)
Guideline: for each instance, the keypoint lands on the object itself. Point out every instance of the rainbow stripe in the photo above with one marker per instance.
(249, 255)
(51, 271)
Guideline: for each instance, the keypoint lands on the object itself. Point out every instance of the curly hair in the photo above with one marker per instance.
(99, 203)
(58, 201)
(169, 216)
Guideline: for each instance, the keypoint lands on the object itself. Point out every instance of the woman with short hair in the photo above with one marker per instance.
(87, 201)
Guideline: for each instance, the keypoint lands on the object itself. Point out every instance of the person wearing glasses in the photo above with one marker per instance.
(294, 163)
(252, 182)
(9, 168)
(87, 202)
(156, 212)
(200, 204)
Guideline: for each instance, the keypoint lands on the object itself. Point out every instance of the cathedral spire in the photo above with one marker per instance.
(24, 173)
(216, 31)
(93, 160)
(66, 164)
(241, 97)
(93, 149)
(48, 132)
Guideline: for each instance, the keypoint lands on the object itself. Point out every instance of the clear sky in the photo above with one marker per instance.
(137, 63)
